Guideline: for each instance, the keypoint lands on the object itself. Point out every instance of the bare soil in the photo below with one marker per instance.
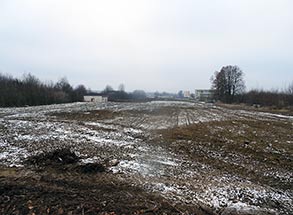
(267, 144)
(57, 192)
(145, 158)
(58, 184)
(88, 116)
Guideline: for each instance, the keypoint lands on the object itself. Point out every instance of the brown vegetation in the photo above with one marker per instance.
(266, 144)
(87, 116)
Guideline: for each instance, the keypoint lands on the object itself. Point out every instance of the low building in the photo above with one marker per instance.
(204, 95)
(95, 98)
(186, 94)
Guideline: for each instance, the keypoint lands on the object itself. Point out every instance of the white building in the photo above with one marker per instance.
(95, 98)
(204, 95)
(186, 94)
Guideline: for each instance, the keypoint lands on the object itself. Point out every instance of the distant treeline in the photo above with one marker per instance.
(121, 95)
(31, 91)
(272, 98)
(268, 98)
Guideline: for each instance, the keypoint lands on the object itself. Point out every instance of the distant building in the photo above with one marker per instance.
(204, 95)
(95, 98)
(186, 94)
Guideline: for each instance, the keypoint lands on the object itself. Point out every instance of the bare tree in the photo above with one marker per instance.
(121, 88)
(30, 80)
(290, 89)
(180, 94)
(64, 85)
(79, 92)
(139, 95)
(228, 83)
(108, 89)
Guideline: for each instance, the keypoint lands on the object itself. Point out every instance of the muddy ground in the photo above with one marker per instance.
(145, 158)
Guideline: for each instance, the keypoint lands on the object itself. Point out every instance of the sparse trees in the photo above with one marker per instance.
(121, 88)
(180, 94)
(290, 94)
(79, 92)
(64, 86)
(228, 83)
(33, 89)
(156, 94)
(290, 89)
(268, 98)
(31, 80)
(108, 89)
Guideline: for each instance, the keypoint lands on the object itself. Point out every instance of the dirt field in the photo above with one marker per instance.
(145, 158)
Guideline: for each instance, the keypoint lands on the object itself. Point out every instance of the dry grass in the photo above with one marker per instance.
(268, 109)
(240, 147)
(87, 116)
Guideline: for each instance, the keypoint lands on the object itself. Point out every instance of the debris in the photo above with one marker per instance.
(30, 205)
(60, 211)
(113, 162)
(246, 142)
(59, 156)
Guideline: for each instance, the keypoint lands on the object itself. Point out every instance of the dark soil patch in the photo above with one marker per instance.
(159, 111)
(87, 116)
(56, 157)
(241, 147)
(53, 193)
(91, 168)
(63, 160)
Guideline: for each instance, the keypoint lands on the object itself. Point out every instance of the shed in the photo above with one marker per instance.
(95, 98)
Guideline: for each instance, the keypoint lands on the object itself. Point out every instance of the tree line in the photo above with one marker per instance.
(229, 87)
(29, 90)
(122, 95)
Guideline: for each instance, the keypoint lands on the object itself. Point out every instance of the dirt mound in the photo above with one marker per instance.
(64, 160)
(59, 156)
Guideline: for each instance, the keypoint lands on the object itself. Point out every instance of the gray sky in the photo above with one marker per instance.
(164, 45)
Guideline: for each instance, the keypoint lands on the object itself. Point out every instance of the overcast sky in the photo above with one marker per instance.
(164, 45)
